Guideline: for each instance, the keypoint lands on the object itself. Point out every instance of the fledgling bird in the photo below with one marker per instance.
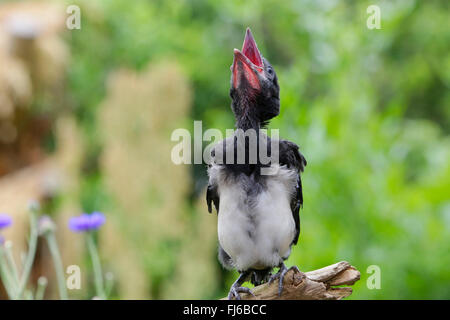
(258, 214)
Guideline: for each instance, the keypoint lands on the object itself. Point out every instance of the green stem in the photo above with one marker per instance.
(30, 256)
(109, 277)
(12, 263)
(5, 275)
(57, 262)
(41, 286)
(98, 275)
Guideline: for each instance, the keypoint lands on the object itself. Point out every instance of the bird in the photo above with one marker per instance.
(258, 213)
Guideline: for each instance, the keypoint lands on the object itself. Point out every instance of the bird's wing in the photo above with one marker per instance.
(292, 158)
(212, 197)
(212, 194)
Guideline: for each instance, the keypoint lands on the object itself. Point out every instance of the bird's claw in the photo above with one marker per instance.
(235, 290)
(280, 275)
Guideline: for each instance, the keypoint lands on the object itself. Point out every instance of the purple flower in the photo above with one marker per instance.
(5, 220)
(87, 222)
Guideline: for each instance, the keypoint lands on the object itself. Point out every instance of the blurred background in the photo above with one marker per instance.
(86, 117)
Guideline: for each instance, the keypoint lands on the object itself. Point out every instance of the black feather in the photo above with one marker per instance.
(212, 197)
(292, 158)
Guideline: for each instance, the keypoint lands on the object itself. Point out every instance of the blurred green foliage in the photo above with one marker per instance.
(369, 108)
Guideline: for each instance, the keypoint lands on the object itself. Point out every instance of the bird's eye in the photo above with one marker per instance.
(269, 70)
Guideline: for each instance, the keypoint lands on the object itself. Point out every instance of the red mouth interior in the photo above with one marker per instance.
(250, 49)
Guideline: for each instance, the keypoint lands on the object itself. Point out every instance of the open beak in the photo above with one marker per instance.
(247, 63)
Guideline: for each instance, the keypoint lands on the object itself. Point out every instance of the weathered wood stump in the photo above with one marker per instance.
(320, 284)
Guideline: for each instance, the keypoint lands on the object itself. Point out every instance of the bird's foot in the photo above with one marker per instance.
(236, 289)
(280, 275)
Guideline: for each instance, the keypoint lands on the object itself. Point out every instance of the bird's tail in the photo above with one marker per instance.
(260, 276)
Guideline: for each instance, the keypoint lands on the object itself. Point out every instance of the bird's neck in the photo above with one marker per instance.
(248, 122)
(248, 119)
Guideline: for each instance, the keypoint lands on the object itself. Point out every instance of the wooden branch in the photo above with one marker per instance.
(313, 285)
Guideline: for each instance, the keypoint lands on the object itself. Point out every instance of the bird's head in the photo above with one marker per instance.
(254, 84)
